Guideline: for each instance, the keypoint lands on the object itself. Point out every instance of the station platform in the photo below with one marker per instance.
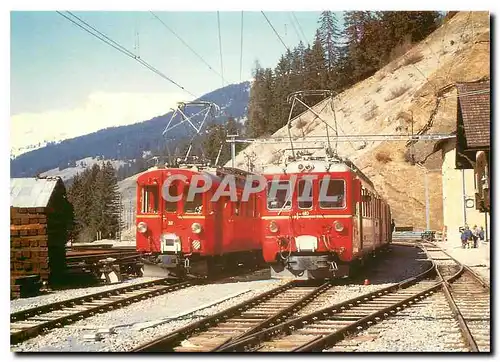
(476, 258)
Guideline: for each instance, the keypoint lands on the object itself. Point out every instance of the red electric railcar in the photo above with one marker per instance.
(195, 236)
(317, 237)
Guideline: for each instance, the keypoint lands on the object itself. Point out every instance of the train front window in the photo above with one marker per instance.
(195, 204)
(304, 194)
(279, 195)
(332, 194)
(150, 199)
(173, 191)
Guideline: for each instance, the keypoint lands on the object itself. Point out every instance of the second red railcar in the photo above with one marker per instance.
(314, 236)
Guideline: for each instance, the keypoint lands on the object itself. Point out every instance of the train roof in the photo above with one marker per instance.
(306, 166)
(214, 173)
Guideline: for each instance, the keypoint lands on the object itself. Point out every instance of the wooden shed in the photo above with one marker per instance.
(40, 218)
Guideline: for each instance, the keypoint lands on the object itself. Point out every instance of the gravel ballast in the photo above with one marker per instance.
(427, 326)
(126, 321)
(17, 305)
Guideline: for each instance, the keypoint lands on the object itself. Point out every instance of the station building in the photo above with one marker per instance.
(466, 162)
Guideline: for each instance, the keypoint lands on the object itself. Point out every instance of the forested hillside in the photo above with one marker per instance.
(135, 144)
(338, 58)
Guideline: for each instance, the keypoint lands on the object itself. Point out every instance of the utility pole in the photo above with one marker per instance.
(233, 148)
(427, 203)
(427, 196)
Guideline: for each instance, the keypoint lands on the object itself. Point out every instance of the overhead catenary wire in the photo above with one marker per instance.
(300, 27)
(104, 38)
(295, 28)
(188, 46)
(220, 49)
(275, 32)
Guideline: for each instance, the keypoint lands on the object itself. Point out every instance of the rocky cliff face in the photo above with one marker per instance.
(414, 91)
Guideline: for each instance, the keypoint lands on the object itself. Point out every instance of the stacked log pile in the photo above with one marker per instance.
(35, 256)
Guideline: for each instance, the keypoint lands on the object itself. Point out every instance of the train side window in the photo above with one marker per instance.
(362, 202)
(281, 198)
(150, 199)
(173, 191)
(335, 191)
(304, 194)
(194, 206)
(370, 205)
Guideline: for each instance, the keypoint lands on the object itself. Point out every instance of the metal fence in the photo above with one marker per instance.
(414, 235)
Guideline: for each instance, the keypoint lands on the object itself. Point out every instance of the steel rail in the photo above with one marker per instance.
(172, 340)
(480, 280)
(298, 323)
(464, 329)
(22, 327)
(322, 341)
(282, 315)
(166, 342)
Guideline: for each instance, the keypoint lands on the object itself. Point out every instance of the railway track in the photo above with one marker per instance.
(454, 291)
(315, 331)
(468, 296)
(260, 312)
(264, 311)
(32, 322)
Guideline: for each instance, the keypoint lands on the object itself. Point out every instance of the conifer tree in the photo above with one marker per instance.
(329, 34)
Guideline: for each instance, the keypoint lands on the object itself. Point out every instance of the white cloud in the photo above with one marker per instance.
(101, 110)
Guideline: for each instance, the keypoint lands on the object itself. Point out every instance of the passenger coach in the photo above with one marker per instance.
(320, 237)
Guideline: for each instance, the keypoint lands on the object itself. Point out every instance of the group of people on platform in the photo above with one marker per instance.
(470, 237)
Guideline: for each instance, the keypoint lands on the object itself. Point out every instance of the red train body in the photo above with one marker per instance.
(314, 238)
(198, 235)
(301, 237)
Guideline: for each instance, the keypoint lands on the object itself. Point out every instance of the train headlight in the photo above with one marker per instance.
(196, 228)
(338, 226)
(142, 227)
(273, 227)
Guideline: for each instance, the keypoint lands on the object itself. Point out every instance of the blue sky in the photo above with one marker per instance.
(56, 65)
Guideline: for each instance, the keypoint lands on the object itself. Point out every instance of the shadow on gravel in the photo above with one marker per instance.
(395, 265)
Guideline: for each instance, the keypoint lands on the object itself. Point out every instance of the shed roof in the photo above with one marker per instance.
(32, 192)
(474, 103)
(439, 144)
